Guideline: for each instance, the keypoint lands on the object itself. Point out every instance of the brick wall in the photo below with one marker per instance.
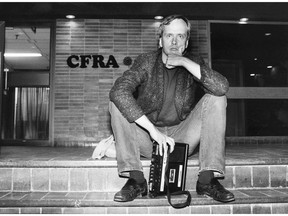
(81, 94)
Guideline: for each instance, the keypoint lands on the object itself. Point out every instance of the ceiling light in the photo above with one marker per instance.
(70, 16)
(244, 19)
(269, 66)
(267, 34)
(22, 55)
(242, 22)
(158, 17)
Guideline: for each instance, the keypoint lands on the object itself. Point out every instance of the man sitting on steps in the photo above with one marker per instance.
(165, 111)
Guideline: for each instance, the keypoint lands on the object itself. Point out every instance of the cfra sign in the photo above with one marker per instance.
(82, 61)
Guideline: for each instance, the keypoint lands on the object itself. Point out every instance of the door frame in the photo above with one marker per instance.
(50, 140)
(2, 49)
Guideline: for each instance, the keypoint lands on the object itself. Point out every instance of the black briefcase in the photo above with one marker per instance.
(168, 173)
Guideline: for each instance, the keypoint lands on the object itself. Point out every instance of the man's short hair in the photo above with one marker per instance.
(169, 19)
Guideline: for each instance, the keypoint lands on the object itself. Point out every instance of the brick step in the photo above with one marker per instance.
(102, 176)
(41, 169)
(106, 179)
(263, 201)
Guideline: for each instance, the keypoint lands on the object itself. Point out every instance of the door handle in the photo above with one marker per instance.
(6, 70)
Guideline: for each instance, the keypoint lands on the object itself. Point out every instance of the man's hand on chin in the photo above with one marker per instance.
(174, 60)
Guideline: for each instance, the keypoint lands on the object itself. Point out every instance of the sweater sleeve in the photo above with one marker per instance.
(122, 91)
(212, 81)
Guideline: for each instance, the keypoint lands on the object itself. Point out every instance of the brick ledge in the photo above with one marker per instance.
(105, 199)
(109, 162)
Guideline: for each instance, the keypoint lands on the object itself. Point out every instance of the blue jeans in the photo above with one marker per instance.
(206, 124)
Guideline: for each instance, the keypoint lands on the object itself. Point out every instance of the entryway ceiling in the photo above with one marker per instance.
(260, 11)
(38, 39)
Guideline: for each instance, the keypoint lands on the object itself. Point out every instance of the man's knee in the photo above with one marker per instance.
(115, 112)
(218, 102)
(112, 107)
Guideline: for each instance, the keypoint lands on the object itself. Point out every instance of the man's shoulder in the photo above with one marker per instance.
(146, 60)
(149, 55)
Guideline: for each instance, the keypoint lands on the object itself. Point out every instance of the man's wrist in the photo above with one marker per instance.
(192, 67)
(144, 122)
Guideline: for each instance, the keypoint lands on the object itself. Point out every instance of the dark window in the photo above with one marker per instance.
(251, 55)
(254, 58)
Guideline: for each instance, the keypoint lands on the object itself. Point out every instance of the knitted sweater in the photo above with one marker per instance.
(146, 78)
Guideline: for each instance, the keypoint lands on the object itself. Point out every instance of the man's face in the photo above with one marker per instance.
(174, 38)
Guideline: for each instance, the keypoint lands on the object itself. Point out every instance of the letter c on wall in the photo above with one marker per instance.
(70, 63)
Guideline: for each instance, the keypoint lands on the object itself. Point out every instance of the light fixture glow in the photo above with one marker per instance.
(70, 16)
(269, 66)
(22, 55)
(244, 19)
(267, 34)
(242, 22)
(158, 17)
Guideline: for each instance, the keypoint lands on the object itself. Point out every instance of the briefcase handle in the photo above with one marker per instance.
(176, 205)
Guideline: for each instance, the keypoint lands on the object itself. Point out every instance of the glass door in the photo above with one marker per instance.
(254, 58)
(26, 90)
(2, 42)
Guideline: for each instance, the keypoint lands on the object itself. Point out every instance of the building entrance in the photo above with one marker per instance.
(26, 90)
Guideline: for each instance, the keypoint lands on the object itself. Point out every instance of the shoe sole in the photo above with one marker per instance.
(209, 196)
(142, 194)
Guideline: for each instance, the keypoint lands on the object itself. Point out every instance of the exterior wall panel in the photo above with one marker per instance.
(81, 95)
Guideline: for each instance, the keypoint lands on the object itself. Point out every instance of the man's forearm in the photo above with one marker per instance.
(193, 68)
(155, 134)
(213, 81)
(144, 122)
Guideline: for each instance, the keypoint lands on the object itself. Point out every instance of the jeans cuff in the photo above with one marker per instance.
(217, 172)
(126, 171)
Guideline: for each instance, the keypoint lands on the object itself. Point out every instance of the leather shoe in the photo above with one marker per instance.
(130, 191)
(215, 190)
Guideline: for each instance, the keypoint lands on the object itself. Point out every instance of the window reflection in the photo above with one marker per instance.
(258, 117)
(34, 42)
(27, 114)
(251, 55)
(25, 103)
